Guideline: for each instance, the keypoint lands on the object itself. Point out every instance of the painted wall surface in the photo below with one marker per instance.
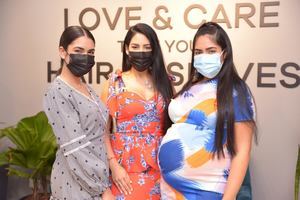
(265, 38)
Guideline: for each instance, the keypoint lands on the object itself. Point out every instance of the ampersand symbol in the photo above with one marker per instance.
(158, 17)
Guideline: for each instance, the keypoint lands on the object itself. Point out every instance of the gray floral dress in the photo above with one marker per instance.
(80, 171)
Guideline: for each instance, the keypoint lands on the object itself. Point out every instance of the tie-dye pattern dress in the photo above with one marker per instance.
(189, 172)
(136, 138)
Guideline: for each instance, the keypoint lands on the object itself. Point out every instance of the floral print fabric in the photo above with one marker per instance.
(136, 138)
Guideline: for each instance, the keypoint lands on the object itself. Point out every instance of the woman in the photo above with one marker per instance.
(137, 99)
(78, 119)
(205, 153)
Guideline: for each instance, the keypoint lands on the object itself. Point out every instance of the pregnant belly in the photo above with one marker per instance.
(181, 141)
(171, 156)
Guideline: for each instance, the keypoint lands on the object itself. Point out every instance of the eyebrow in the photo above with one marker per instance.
(83, 48)
(139, 44)
(210, 48)
(79, 48)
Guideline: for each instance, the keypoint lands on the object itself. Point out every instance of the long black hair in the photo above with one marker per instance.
(158, 71)
(70, 34)
(228, 81)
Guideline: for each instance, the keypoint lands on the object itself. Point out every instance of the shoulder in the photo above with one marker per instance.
(58, 89)
(242, 90)
(54, 87)
(109, 85)
(243, 102)
(242, 96)
(114, 76)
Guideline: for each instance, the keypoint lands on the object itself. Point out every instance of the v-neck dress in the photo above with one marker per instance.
(80, 170)
(139, 129)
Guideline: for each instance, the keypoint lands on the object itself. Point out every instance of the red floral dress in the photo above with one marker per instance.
(139, 130)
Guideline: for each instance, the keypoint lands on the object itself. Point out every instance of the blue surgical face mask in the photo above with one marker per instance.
(209, 65)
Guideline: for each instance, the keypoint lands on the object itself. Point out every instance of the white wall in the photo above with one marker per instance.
(30, 32)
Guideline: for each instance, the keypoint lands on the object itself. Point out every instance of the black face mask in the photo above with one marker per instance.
(140, 60)
(80, 64)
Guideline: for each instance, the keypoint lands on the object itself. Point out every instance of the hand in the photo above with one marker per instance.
(107, 195)
(121, 179)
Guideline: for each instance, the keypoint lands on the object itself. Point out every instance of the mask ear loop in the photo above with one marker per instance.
(66, 56)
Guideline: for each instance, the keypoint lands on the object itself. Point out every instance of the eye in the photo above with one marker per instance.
(134, 46)
(77, 51)
(197, 52)
(212, 51)
(148, 47)
(92, 52)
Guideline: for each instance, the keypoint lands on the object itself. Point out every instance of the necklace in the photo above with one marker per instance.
(148, 84)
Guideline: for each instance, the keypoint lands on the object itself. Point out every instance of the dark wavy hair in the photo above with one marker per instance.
(158, 71)
(70, 34)
(228, 81)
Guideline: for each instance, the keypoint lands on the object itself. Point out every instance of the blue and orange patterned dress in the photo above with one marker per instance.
(188, 169)
(136, 139)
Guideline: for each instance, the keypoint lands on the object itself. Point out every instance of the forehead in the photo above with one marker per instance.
(83, 42)
(139, 38)
(205, 41)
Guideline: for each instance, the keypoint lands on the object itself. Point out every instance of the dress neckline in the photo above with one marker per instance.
(124, 89)
(92, 99)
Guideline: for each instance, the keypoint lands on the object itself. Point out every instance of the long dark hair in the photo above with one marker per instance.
(228, 81)
(70, 34)
(158, 71)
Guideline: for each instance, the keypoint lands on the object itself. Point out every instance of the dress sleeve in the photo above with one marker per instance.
(80, 155)
(244, 109)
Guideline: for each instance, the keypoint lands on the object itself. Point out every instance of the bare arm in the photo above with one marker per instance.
(119, 174)
(239, 164)
(110, 153)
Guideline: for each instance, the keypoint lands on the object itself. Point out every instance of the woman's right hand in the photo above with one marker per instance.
(107, 195)
(121, 178)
